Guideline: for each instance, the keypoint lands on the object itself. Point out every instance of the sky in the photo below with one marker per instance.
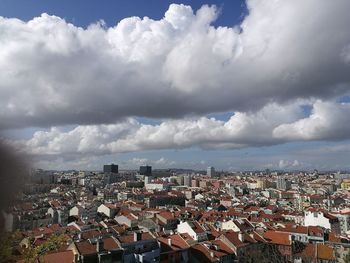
(238, 85)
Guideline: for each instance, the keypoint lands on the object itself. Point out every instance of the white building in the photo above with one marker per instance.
(187, 180)
(283, 184)
(344, 221)
(198, 196)
(228, 225)
(155, 186)
(315, 217)
(211, 171)
(122, 196)
(238, 225)
(147, 179)
(59, 215)
(252, 185)
(194, 229)
(130, 220)
(109, 210)
(84, 211)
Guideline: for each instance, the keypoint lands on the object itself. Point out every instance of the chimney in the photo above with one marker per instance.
(169, 242)
(240, 237)
(99, 245)
(137, 236)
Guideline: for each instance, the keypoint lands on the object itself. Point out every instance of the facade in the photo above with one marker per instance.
(85, 211)
(110, 178)
(179, 179)
(109, 210)
(129, 220)
(101, 250)
(344, 222)
(110, 168)
(43, 177)
(319, 218)
(345, 184)
(244, 246)
(261, 184)
(59, 215)
(147, 179)
(167, 220)
(283, 184)
(174, 249)
(194, 229)
(188, 180)
(162, 200)
(211, 171)
(140, 247)
(146, 170)
(159, 186)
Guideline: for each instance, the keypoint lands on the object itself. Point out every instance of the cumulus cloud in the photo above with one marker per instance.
(55, 73)
(241, 130)
(273, 124)
(328, 121)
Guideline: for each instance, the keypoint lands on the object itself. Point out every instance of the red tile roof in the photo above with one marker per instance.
(234, 238)
(177, 242)
(320, 251)
(166, 215)
(197, 227)
(315, 231)
(59, 257)
(110, 244)
(278, 238)
(130, 238)
(294, 229)
(91, 234)
(85, 248)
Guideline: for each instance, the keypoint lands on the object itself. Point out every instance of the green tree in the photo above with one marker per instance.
(7, 242)
(53, 243)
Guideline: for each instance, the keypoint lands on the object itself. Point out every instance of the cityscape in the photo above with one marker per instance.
(173, 215)
(174, 131)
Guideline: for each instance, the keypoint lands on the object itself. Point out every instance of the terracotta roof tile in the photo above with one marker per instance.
(130, 238)
(85, 248)
(59, 257)
(110, 244)
(322, 251)
(278, 238)
(177, 242)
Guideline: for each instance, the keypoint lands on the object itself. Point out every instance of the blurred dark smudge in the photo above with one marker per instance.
(14, 171)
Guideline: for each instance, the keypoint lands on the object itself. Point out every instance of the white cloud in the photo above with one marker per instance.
(286, 164)
(273, 124)
(328, 121)
(241, 130)
(139, 161)
(55, 73)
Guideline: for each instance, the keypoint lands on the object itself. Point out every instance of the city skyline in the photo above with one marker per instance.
(237, 86)
(165, 131)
